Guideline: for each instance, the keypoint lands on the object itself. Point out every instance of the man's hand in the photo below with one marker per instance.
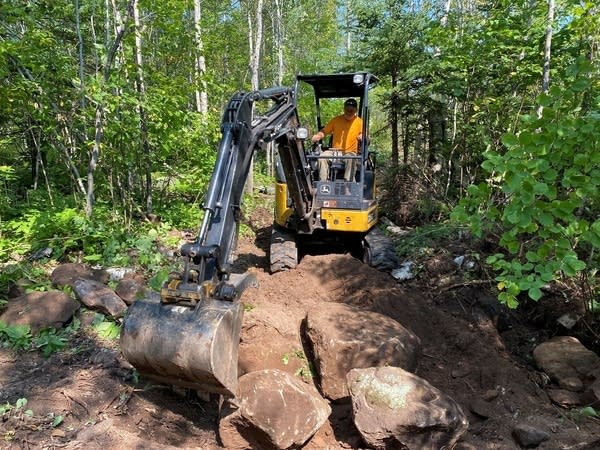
(317, 137)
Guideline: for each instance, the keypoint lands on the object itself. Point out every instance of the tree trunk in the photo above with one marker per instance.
(256, 45)
(255, 39)
(141, 88)
(347, 20)
(547, 54)
(200, 62)
(444, 19)
(278, 39)
(394, 124)
(80, 52)
(98, 119)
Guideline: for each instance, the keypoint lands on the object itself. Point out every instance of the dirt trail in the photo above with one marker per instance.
(100, 405)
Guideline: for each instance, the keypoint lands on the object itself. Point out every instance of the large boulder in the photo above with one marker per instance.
(567, 362)
(273, 410)
(344, 337)
(100, 297)
(394, 408)
(66, 274)
(40, 310)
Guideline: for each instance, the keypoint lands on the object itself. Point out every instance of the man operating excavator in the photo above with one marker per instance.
(347, 133)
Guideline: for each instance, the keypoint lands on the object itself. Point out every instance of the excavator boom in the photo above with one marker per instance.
(189, 334)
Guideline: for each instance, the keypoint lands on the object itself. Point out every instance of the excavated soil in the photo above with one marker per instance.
(86, 397)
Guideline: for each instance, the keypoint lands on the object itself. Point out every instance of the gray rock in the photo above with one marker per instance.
(130, 289)
(394, 408)
(98, 296)
(66, 274)
(344, 337)
(273, 410)
(528, 436)
(482, 408)
(566, 361)
(118, 273)
(591, 396)
(40, 310)
(564, 397)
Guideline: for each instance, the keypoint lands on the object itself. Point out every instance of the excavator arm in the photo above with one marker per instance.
(189, 335)
(208, 259)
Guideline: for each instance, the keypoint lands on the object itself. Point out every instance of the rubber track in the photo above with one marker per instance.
(283, 253)
(383, 252)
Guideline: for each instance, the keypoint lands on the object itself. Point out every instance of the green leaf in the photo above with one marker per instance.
(535, 293)
(532, 256)
(157, 281)
(509, 139)
(571, 265)
(588, 411)
(57, 421)
(508, 299)
(544, 100)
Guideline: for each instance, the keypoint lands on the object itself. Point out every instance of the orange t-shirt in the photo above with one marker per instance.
(345, 133)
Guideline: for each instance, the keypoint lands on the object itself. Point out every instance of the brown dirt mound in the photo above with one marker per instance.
(465, 355)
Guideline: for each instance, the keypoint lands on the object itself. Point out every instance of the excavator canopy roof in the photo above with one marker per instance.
(339, 85)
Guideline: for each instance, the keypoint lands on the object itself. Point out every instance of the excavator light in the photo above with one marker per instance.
(301, 133)
(358, 78)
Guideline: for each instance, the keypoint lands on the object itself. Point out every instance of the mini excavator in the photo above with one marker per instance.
(188, 335)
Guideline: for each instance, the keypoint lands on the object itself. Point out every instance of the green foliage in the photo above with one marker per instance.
(422, 240)
(27, 275)
(157, 281)
(305, 371)
(542, 195)
(19, 406)
(57, 419)
(7, 178)
(17, 337)
(578, 414)
(105, 327)
(48, 340)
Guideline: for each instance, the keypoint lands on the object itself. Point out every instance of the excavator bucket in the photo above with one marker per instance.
(190, 346)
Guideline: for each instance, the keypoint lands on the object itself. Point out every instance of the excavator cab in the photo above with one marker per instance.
(345, 211)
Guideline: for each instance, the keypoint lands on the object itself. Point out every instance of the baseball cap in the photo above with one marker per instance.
(351, 102)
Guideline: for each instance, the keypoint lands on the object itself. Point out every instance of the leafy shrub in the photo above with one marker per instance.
(542, 195)
(17, 337)
(48, 340)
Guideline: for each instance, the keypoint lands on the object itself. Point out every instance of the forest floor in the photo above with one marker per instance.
(87, 398)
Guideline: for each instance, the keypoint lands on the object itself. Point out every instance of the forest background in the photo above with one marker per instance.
(487, 116)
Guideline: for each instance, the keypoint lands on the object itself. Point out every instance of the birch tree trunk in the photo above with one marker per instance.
(347, 20)
(80, 51)
(200, 62)
(278, 39)
(547, 54)
(255, 35)
(444, 19)
(141, 88)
